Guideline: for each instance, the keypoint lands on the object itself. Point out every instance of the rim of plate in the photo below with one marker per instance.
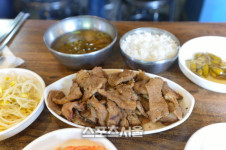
(199, 131)
(102, 140)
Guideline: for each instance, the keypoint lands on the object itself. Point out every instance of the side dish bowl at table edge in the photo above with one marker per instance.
(206, 44)
(21, 107)
(69, 139)
(151, 49)
(76, 25)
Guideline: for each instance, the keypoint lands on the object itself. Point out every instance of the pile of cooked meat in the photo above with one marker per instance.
(122, 99)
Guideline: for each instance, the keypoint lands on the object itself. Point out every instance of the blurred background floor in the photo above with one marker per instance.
(134, 10)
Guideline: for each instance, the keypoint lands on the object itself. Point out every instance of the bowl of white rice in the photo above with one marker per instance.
(151, 49)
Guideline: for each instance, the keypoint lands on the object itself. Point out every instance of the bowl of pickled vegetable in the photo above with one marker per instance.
(82, 41)
(203, 61)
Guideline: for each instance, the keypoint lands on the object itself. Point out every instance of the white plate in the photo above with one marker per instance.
(52, 140)
(33, 116)
(211, 137)
(211, 44)
(187, 103)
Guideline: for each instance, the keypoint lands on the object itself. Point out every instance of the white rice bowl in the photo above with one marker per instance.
(149, 47)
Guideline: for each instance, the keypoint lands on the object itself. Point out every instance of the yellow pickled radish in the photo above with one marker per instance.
(205, 70)
(217, 70)
(193, 66)
(200, 72)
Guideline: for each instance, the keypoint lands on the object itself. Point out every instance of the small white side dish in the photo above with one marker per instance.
(33, 116)
(208, 138)
(211, 44)
(186, 104)
(52, 140)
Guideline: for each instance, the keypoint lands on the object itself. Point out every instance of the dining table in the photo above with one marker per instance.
(210, 107)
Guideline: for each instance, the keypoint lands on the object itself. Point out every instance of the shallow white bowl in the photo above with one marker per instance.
(186, 104)
(211, 137)
(211, 44)
(33, 116)
(52, 140)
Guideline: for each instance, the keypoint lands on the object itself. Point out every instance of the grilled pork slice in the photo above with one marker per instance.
(171, 117)
(141, 109)
(124, 121)
(126, 92)
(166, 89)
(158, 107)
(51, 104)
(139, 85)
(91, 81)
(75, 93)
(89, 115)
(98, 71)
(145, 103)
(101, 110)
(133, 118)
(172, 96)
(80, 121)
(114, 114)
(67, 109)
(114, 96)
(117, 78)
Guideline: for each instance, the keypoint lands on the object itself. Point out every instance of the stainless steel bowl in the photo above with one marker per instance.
(80, 61)
(149, 66)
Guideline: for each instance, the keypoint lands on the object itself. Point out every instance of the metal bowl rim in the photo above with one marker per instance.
(86, 54)
(149, 62)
